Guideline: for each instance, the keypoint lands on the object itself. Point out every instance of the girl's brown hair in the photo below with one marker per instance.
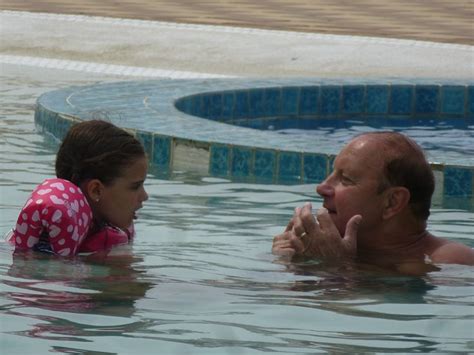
(96, 149)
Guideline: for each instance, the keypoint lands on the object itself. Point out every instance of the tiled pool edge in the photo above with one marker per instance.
(207, 147)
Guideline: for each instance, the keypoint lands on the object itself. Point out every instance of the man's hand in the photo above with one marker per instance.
(321, 237)
(317, 237)
(288, 243)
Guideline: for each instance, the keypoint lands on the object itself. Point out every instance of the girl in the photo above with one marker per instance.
(91, 205)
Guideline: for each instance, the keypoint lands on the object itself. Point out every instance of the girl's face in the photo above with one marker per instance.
(119, 201)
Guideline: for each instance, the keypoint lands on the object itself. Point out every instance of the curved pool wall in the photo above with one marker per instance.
(193, 124)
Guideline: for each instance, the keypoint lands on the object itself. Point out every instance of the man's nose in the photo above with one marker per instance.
(325, 188)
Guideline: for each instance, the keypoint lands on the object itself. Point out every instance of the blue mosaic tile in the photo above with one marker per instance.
(241, 161)
(427, 99)
(264, 166)
(215, 109)
(377, 99)
(195, 105)
(129, 104)
(330, 100)
(309, 123)
(63, 127)
(286, 123)
(53, 124)
(241, 107)
(401, 99)
(470, 99)
(255, 123)
(40, 114)
(219, 160)
(161, 150)
(289, 101)
(458, 181)
(289, 166)
(205, 106)
(453, 99)
(56, 128)
(272, 102)
(314, 167)
(309, 100)
(353, 99)
(50, 119)
(256, 103)
(184, 105)
(331, 159)
(227, 105)
(60, 105)
(146, 138)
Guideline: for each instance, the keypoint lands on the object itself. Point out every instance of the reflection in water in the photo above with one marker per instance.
(345, 300)
(97, 284)
(104, 284)
(341, 282)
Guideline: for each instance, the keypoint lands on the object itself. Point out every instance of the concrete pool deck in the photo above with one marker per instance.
(166, 49)
(447, 21)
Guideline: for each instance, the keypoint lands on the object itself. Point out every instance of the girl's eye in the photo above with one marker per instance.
(136, 186)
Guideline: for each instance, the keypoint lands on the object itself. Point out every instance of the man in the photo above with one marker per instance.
(376, 204)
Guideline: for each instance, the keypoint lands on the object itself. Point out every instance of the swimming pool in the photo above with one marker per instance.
(201, 279)
(203, 125)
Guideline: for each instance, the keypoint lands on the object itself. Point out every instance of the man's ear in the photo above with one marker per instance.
(93, 189)
(396, 199)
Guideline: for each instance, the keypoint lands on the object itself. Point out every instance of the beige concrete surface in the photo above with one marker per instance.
(449, 21)
(217, 50)
(325, 46)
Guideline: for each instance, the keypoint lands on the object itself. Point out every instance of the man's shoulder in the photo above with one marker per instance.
(449, 252)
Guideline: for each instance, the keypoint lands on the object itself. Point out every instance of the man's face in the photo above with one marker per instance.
(352, 187)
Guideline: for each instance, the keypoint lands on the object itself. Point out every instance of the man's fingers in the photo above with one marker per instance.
(307, 219)
(283, 251)
(289, 226)
(352, 227)
(297, 211)
(282, 243)
(298, 226)
(324, 219)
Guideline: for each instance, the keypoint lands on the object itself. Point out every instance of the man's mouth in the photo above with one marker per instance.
(330, 210)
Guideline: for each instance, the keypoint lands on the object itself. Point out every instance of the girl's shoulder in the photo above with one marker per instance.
(56, 208)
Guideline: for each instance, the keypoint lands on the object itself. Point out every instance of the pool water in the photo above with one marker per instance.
(448, 141)
(200, 277)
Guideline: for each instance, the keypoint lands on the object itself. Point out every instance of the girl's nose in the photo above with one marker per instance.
(144, 196)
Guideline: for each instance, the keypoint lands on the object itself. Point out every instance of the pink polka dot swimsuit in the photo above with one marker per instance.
(58, 208)
(57, 217)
